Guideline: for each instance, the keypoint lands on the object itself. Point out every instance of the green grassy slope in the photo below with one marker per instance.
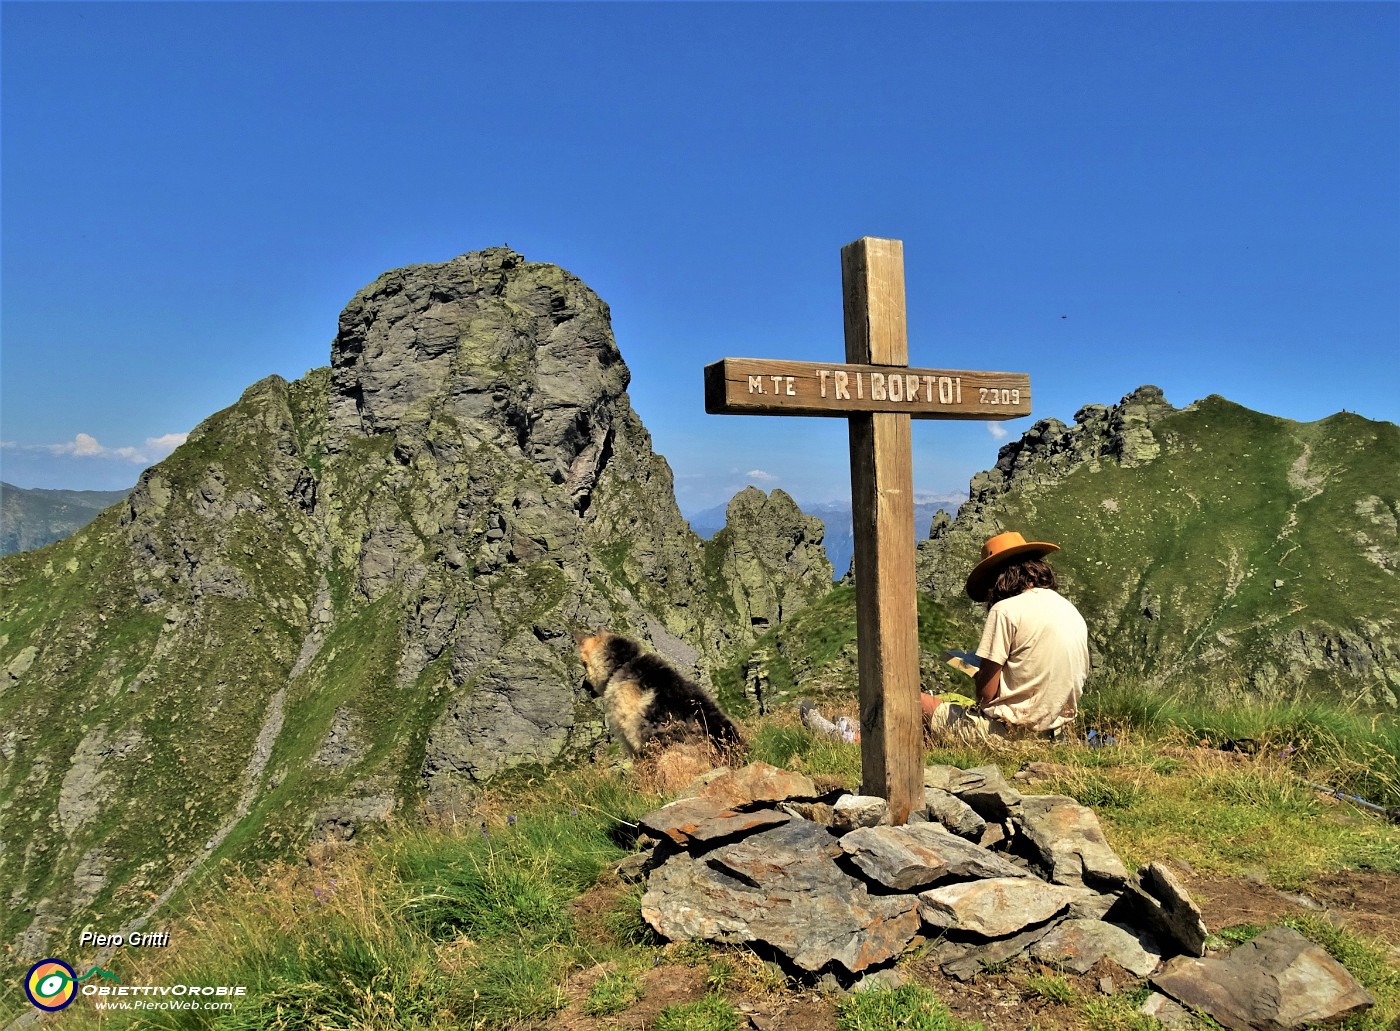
(140, 667)
(1252, 550)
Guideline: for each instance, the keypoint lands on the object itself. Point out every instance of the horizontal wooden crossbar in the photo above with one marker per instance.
(763, 386)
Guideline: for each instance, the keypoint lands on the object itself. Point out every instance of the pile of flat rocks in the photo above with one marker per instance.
(759, 856)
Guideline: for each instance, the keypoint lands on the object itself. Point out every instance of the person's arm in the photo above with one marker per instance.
(988, 681)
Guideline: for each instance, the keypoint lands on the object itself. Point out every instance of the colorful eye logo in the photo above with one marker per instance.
(51, 984)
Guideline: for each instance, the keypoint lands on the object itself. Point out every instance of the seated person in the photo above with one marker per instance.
(1034, 648)
(1034, 652)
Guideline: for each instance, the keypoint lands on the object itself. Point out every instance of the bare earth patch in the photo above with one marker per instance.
(662, 986)
(1364, 901)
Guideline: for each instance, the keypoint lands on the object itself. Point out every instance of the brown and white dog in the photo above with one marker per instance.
(645, 699)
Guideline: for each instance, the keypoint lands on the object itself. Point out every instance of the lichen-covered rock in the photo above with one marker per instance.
(756, 782)
(915, 856)
(986, 790)
(852, 811)
(1163, 905)
(771, 556)
(953, 813)
(1078, 944)
(996, 907)
(698, 821)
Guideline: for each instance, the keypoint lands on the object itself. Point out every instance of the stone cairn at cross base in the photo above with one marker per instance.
(759, 856)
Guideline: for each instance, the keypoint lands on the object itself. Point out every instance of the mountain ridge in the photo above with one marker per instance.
(354, 594)
(351, 594)
(1276, 566)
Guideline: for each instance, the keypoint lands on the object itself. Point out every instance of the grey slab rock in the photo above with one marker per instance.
(953, 813)
(1092, 905)
(689, 821)
(1166, 1012)
(889, 978)
(1068, 843)
(852, 811)
(965, 960)
(1078, 944)
(632, 869)
(993, 834)
(781, 888)
(994, 908)
(941, 777)
(1163, 905)
(919, 855)
(795, 851)
(1278, 981)
(985, 788)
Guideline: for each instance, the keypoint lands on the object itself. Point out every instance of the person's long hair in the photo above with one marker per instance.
(1021, 575)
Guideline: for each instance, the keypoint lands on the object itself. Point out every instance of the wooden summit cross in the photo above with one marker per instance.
(878, 394)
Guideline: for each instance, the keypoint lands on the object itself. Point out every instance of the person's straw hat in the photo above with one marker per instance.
(996, 553)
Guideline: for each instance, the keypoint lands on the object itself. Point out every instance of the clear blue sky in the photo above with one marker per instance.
(1201, 196)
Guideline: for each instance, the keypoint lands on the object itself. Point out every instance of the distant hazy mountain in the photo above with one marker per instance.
(836, 517)
(30, 519)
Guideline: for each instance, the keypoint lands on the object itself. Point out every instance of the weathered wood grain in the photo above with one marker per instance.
(882, 500)
(775, 386)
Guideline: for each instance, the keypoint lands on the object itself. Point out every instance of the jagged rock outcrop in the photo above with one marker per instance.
(1204, 541)
(1043, 456)
(771, 556)
(351, 591)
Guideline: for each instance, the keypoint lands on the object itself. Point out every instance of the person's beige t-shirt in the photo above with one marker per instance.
(1041, 641)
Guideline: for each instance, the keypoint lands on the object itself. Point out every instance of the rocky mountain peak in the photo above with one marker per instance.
(773, 559)
(1050, 449)
(358, 591)
(520, 355)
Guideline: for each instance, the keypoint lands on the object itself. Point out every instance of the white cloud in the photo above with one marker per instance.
(759, 476)
(997, 432)
(165, 443)
(85, 445)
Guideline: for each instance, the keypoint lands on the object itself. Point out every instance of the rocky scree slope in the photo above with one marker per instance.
(1210, 541)
(354, 593)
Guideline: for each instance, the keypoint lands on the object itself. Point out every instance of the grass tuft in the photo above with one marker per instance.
(908, 1006)
(708, 1014)
(1052, 988)
(612, 993)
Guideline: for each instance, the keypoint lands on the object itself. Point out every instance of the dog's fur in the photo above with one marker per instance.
(646, 700)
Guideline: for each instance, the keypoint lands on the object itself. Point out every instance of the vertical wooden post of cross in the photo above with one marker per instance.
(882, 500)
